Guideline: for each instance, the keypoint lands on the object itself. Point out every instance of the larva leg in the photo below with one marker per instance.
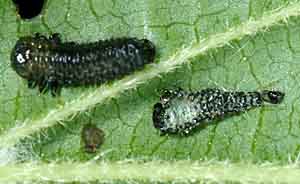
(55, 90)
(31, 84)
(43, 87)
(54, 87)
(163, 133)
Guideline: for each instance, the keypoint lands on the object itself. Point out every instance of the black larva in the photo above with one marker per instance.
(180, 111)
(92, 138)
(51, 64)
(29, 8)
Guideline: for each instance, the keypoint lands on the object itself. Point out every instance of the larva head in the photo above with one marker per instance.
(170, 115)
(148, 50)
(25, 52)
(21, 56)
(273, 97)
(158, 116)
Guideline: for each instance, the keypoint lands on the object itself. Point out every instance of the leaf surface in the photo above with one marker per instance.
(265, 61)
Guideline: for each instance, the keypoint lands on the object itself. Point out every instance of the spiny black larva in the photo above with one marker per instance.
(180, 111)
(51, 64)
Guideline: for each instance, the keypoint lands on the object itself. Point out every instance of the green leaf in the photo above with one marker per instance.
(237, 45)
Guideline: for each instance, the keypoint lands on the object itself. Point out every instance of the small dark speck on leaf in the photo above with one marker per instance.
(92, 138)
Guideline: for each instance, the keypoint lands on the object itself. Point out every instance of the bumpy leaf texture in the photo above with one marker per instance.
(264, 61)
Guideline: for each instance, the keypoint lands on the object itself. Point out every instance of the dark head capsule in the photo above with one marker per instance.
(156, 117)
(179, 111)
(273, 97)
(51, 64)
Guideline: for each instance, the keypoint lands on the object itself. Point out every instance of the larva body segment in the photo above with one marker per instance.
(180, 111)
(51, 64)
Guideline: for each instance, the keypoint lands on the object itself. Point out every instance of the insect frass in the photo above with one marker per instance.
(92, 137)
(52, 64)
(180, 111)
